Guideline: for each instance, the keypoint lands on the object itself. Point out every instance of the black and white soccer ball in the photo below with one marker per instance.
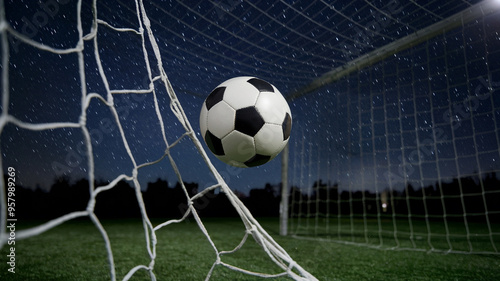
(245, 122)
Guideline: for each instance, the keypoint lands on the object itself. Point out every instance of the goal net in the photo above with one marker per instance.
(91, 81)
(401, 149)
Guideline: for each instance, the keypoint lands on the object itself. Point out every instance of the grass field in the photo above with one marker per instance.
(386, 232)
(75, 251)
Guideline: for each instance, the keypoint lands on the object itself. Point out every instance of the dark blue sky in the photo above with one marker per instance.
(429, 111)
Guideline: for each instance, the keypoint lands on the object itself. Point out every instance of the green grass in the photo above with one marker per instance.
(75, 251)
(402, 233)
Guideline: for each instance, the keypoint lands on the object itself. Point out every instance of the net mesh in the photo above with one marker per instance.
(410, 157)
(91, 55)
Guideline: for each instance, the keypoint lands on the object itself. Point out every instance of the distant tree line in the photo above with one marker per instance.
(465, 195)
(163, 201)
(160, 200)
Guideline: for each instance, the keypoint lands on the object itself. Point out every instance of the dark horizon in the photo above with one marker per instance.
(164, 200)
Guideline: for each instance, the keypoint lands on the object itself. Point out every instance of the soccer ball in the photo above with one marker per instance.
(245, 122)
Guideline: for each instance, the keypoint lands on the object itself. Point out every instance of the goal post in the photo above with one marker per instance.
(408, 156)
(284, 193)
(477, 11)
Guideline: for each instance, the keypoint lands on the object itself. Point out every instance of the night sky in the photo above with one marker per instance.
(429, 112)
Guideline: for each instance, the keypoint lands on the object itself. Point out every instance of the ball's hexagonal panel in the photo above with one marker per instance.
(228, 160)
(248, 121)
(272, 107)
(287, 126)
(240, 94)
(220, 119)
(215, 97)
(238, 146)
(257, 160)
(261, 85)
(214, 143)
(269, 140)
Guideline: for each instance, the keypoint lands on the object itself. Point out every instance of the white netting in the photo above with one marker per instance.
(157, 84)
(410, 157)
